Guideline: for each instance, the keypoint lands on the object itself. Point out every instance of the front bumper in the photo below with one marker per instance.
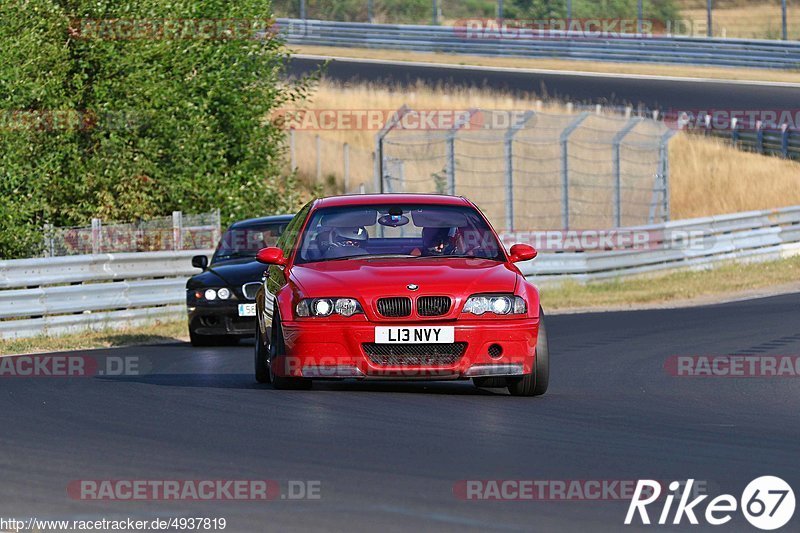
(316, 349)
(221, 319)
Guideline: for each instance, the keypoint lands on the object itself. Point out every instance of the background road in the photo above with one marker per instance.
(589, 89)
(388, 454)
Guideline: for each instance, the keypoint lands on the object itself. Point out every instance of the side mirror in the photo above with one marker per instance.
(271, 256)
(522, 252)
(200, 261)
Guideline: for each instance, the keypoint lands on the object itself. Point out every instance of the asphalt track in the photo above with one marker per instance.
(389, 454)
(652, 93)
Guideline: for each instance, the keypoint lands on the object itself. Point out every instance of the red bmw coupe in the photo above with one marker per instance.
(398, 287)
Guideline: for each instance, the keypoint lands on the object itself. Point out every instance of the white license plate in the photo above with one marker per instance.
(415, 335)
(247, 309)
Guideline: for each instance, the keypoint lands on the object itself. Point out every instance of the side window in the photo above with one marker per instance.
(288, 240)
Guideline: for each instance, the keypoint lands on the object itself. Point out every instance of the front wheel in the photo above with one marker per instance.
(535, 383)
(277, 349)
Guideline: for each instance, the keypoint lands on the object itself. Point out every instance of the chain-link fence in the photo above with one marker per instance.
(178, 232)
(536, 170)
(767, 19)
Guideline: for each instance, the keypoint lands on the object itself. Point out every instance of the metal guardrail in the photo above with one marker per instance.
(750, 236)
(67, 294)
(53, 296)
(565, 45)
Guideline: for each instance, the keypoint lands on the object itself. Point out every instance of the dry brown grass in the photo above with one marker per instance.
(753, 19)
(763, 75)
(708, 176)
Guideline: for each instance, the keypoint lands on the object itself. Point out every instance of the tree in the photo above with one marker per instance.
(137, 108)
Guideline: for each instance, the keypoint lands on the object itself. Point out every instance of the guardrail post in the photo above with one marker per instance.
(785, 141)
(177, 230)
(709, 18)
(760, 137)
(564, 140)
(617, 142)
(379, 139)
(509, 167)
(97, 235)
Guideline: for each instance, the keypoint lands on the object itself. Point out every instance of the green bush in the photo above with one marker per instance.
(127, 128)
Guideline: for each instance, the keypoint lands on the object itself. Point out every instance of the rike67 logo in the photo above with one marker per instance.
(767, 503)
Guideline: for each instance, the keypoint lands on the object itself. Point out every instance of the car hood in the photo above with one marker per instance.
(232, 273)
(369, 278)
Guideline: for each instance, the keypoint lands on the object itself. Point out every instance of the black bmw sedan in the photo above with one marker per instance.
(221, 300)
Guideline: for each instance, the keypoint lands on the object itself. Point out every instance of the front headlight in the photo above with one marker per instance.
(321, 307)
(213, 294)
(499, 304)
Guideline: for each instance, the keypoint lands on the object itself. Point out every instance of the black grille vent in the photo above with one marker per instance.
(415, 354)
(433, 305)
(394, 307)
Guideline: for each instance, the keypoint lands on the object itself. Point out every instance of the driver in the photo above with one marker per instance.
(345, 242)
(436, 241)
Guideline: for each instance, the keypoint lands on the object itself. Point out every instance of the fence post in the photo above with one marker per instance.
(639, 18)
(451, 162)
(760, 136)
(97, 236)
(318, 141)
(734, 132)
(451, 151)
(709, 18)
(664, 155)
(379, 138)
(785, 141)
(785, 30)
(509, 167)
(346, 159)
(564, 140)
(177, 230)
(49, 242)
(617, 142)
(292, 150)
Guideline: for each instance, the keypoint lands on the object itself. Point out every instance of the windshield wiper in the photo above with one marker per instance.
(234, 255)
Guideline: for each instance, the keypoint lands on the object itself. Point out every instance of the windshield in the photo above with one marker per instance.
(247, 241)
(414, 231)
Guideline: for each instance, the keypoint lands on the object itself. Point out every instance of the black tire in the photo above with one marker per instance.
(278, 348)
(198, 340)
(261, 358)
(535, 383)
